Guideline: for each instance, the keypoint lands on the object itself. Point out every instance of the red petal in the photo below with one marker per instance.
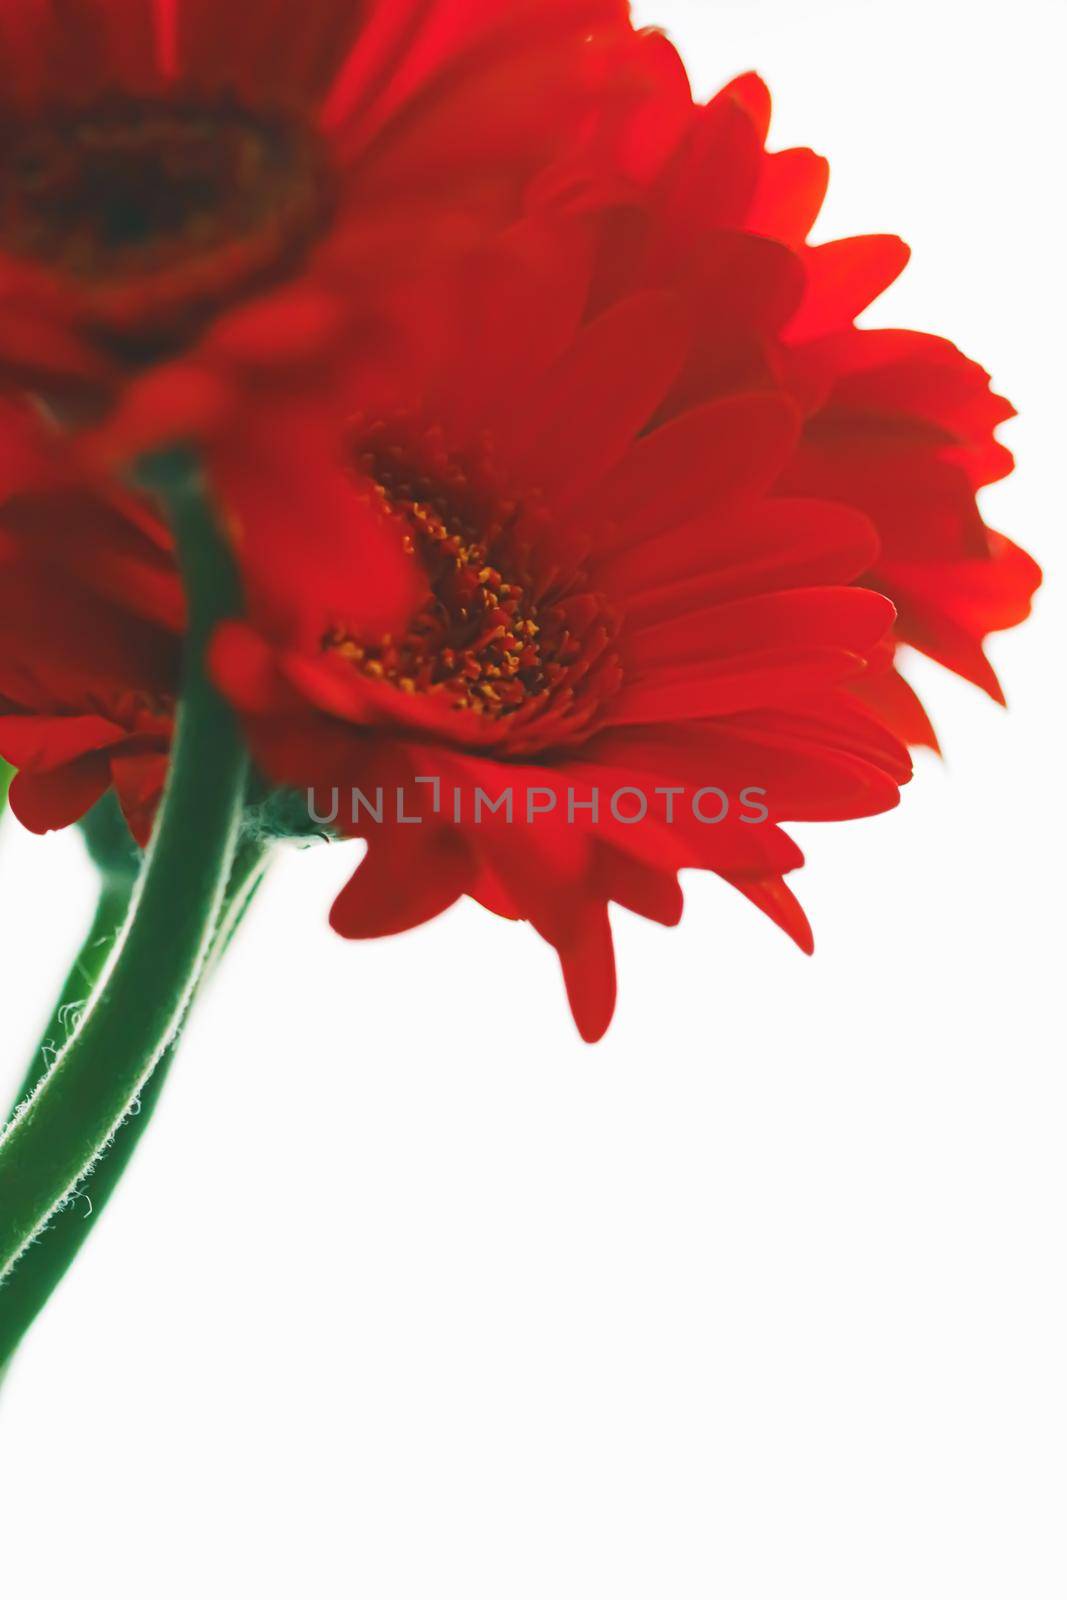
(521, 301)
(948, 608)
(86, 538)
(591, 407)
(837, 618)
(245, 668)
(764, 678)
(711, 459)
(588, 962)
(42, 744)
(317, 549)
(139, 780)
(409, 876)
(896, 704)
(781, 905)
(291, 54)
(749, 91)
(843, 279)
(717, 172)
(778, 544)
(645, 890)
(43, 801)
(908, 389)
(789, 196)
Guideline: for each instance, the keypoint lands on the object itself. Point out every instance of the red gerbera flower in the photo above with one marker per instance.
(897, 424)
(238, 181)
(607, 607)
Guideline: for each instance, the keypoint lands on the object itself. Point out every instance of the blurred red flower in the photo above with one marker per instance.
(91, 618)
(196, 189)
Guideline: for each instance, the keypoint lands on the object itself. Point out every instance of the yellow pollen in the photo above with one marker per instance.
(485, 640)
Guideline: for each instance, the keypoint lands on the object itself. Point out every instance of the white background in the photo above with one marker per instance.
(411, 1295)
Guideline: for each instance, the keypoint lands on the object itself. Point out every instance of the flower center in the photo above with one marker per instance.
(131, 191)
(493, 637)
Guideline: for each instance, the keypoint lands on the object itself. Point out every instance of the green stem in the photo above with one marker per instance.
(108, 919)
(60, 1133)
(40, 1269)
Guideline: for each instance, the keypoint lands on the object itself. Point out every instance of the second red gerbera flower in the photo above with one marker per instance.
(899, 425)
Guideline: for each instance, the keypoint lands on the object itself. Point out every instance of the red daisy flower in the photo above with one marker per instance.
(899, 425)
(609, 612)
(234, 182)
